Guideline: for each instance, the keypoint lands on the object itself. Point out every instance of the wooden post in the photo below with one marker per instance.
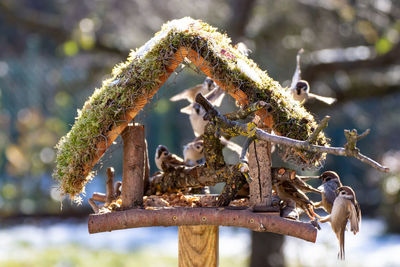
(198, 245)
(146, 177)
(110, 185)
(133, 166)
(260, 171)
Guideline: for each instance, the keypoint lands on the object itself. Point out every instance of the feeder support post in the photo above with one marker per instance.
(198, 245)
(133, 166)
(260, 167)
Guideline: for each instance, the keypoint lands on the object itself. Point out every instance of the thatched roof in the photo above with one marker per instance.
(107, 112)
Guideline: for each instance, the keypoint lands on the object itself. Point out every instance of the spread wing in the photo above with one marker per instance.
(188, 94)
(297, 74)
(216, 96)
(325, 99)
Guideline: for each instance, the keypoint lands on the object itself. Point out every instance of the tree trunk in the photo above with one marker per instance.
(266, 250)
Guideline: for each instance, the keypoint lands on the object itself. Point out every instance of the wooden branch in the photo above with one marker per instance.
(235, 128)
(321, 126)
(133, 166)
(200, 176)
(110, 185)
(134, 218)
(93, 204)
(242, 114)
(198, 245)
(100, 197)
(283, 174)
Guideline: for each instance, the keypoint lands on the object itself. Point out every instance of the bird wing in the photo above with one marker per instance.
(187, 109)
(294, 193)
(188, 94)
(325, 99)
(297, 74)
(355, 217)
(173, 160)
(330, 192)
(216, 96)
(304, 186)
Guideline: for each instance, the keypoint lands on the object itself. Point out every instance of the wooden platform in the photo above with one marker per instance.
(179, 216)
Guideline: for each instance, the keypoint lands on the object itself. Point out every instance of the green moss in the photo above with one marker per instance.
(137, 77)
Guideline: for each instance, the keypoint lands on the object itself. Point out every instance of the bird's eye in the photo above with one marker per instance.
(165, 153)
(342, 192)
(327, 179)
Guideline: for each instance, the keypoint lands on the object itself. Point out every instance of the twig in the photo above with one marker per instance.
(244, 162)
(250, 130)
(245, 112)
(321, 126)
(94, 206)
(109, 185)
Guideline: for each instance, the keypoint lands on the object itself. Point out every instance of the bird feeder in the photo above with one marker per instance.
(111, 109)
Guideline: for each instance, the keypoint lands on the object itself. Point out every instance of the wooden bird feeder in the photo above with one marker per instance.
(111, 109)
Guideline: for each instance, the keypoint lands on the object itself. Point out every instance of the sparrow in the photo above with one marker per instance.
(288, 192)
(345, 207)
(193, 152)
(300, 89)
(197, 112)
(165, 159)
(197, 120)
(190, 94)
(330, 182)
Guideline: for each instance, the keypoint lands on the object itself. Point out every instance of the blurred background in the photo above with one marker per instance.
(55, 53)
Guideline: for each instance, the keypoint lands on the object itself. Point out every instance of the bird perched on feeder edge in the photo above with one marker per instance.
(330, 182)
(345, 208)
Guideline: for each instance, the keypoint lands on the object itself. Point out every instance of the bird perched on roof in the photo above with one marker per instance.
(330, 182)
(300, 89)
(193, 152)
(345, 207)
(164, 159)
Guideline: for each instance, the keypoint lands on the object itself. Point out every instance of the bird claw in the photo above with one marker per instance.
(315, 224)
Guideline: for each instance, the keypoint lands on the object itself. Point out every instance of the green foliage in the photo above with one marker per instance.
(135, 80)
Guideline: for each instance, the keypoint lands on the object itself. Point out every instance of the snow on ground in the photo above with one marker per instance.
(368, 248)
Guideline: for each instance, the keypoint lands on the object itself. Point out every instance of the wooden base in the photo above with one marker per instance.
(198, 245)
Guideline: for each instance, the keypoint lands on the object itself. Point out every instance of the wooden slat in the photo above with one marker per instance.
(198, 246)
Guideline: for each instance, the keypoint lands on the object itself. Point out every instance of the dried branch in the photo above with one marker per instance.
(244, 162)
(200, 216)
(243, 113)
(321, 126)
(110, 185)
(235, 128)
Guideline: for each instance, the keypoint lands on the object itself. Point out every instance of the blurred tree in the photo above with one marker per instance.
(55, 52)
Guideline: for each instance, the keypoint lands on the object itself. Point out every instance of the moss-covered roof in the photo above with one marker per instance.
(136, 80)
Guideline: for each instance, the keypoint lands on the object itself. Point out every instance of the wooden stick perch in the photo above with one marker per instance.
(200, 216)
(250, 130)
